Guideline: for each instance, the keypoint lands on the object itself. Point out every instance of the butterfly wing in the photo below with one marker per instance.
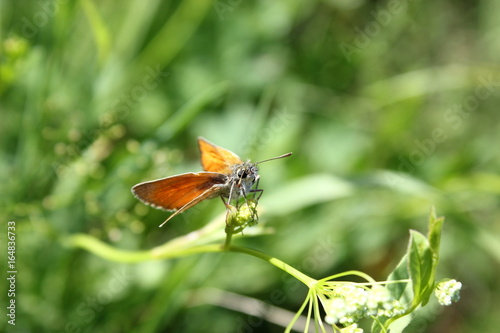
(180, 192)
(215, 158)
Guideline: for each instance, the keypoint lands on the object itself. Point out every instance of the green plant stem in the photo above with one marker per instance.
(167, 251)
(229, 236)
(276, 262)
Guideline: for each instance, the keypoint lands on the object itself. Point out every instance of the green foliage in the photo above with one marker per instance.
(388, 110)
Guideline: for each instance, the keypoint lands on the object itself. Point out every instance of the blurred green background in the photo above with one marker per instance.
(389, 107)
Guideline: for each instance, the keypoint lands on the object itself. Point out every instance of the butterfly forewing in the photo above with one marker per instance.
(181, 191)
(215, 158)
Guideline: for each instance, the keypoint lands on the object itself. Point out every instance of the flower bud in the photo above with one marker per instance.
(240, 217)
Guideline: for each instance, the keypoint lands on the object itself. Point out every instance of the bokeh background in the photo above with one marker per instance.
(390, 107)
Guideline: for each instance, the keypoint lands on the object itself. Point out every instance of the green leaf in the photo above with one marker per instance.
(434, 237)
(401, 291)
(435, 229)
(420, 265)
(414, 263)
(400, 324)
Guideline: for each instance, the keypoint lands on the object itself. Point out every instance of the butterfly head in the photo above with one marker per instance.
(244, 177)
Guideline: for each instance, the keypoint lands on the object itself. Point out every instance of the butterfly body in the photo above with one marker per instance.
(242, 179)
(225, 175)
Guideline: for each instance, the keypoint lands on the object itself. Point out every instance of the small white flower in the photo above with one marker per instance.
(397, 308)
(380, 302)
(347, 303)
(448, 292)
(336, 310)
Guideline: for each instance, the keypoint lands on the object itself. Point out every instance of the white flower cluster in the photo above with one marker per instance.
(448, 292)
(348, 303)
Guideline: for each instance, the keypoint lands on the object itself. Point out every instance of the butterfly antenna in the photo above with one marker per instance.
(275, 158)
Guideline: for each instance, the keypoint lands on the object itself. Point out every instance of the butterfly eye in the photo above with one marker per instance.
(242, 173)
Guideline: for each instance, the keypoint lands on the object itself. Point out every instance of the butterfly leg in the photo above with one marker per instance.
(231, 193)
(228, 208)
(226, 203)
(255, 200)
(257, 190)
(257, 196)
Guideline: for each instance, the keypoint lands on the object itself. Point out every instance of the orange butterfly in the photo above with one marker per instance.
(225, 175)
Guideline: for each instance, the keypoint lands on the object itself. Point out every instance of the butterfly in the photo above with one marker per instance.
(225, 176)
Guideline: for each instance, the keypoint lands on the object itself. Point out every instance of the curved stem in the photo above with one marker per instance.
(308, 281)
(167, 251)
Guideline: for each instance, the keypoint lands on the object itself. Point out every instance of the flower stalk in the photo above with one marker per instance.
(343, 302)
